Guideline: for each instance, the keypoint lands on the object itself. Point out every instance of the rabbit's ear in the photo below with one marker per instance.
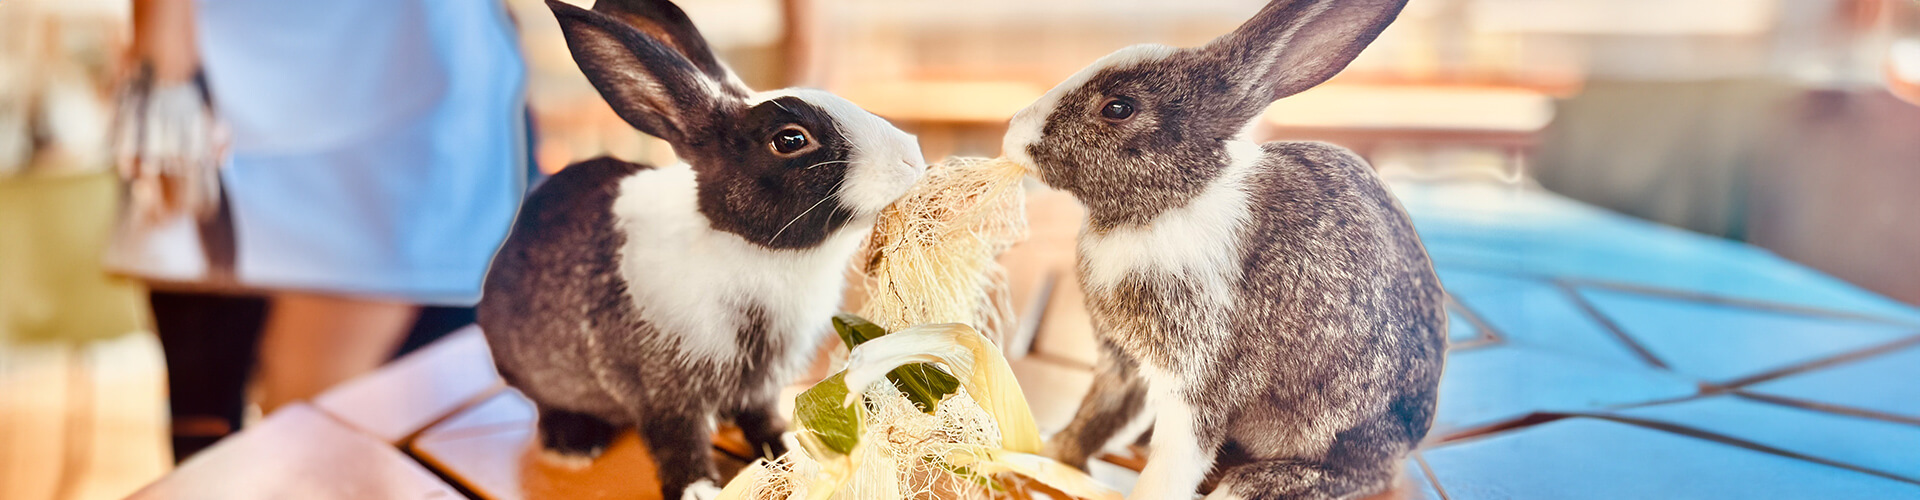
(1293, 45)
(649, 84)
(666, 23)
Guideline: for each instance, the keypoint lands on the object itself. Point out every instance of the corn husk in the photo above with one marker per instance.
(972, 358)
(931, 256)
(931, 411)
(862, 438)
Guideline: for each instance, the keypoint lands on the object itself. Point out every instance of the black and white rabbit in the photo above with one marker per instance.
(664, 298)
(1267, 308)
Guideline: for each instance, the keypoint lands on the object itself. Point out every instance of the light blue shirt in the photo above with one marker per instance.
(378, 145)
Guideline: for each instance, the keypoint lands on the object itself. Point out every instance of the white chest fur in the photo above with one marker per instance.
(1197, 244)
(692, 282)
(1200, 240)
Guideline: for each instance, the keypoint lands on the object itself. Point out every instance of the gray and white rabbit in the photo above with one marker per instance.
(664, 298)
(1267, 308)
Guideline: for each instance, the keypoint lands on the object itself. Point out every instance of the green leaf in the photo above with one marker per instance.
(967, 474)
(923, 383)
(855, 330)
(820, 409)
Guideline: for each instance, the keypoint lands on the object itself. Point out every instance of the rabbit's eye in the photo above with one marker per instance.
(1116, 110)
(789, 140)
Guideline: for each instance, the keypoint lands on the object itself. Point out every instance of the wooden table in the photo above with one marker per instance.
(439, 423)
(436, 424)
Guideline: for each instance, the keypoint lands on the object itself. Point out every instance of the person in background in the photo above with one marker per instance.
(57, 190)
(309, 184)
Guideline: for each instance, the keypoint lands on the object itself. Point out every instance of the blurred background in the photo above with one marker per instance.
(1793, 125)
(1776, 122)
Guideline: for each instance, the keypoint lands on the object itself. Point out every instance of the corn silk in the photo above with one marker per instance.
(931, 255)
(866, 433)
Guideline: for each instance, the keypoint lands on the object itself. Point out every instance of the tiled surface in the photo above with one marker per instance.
(1586, 458)
(299, 452)
(489, 449)
(1417, 484)
(1595, 356)
(1459, 329)
(1537, 313)
(1499, 384)
(1521, 230)
(414, 391)
(1722, 343)
(1616, 344)
(1888, 384)
(1866, 443)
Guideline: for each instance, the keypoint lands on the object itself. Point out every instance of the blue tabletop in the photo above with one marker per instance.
(1600, 356)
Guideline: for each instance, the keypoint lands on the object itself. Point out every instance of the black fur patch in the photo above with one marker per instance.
(647, 82)
(564, 237)
(770, 200)
(574, 434)
(665, 22)
(682, 446)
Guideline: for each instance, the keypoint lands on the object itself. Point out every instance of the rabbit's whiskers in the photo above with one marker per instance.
(835, 191)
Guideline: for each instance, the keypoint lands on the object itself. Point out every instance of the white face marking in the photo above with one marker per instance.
(1027, 123)
(885, 161)
(1176, 465)
(691, 281)
(1200, 240)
